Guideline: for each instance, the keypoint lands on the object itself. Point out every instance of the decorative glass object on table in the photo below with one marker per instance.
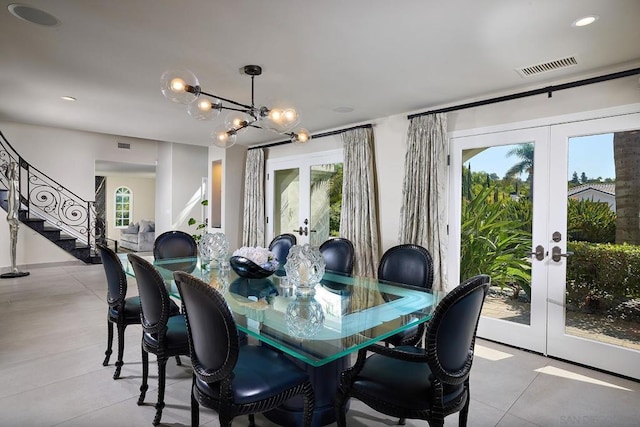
(253, 262)
(304, 316)
(213, 249)
(305, 267)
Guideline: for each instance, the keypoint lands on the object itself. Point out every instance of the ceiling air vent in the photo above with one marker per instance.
(124, 145)
(556, 64)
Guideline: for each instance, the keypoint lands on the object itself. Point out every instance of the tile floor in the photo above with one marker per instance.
(52, 345)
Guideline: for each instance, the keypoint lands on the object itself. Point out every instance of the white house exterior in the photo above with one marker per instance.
(596, 193)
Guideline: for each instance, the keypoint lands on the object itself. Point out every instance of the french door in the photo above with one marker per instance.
(486, 241)
(594, 319)
(525, 201)
(304, 195)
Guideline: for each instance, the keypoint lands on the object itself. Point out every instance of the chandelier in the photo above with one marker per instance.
(182, 86)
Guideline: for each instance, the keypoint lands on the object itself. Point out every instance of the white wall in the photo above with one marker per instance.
(233, 162)
(164, 188)
(189, 166)
(143, 192)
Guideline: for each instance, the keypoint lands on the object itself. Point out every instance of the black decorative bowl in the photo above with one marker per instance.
(248, 269)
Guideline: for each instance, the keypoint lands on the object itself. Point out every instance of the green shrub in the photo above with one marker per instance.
(590, 221)
(602, 275)
(494, 243)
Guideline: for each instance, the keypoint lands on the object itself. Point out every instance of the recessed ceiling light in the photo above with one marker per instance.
(585, 20)
(343, 109)
(33, 15)
(68, 98)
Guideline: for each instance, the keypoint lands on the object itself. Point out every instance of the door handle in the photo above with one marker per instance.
(303, 231)
(539, 253)
(556, 254)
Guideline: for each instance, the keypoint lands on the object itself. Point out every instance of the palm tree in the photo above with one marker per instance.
(626, 154)
(524, 152)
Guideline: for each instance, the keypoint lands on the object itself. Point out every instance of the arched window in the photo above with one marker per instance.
(123, 206)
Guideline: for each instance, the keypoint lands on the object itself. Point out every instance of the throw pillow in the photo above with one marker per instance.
(132, 229)
(147, 226)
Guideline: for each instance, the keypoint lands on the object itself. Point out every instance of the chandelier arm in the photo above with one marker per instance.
(243, 110)
(226, 100)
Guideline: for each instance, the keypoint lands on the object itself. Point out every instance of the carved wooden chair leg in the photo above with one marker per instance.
(109, 343)
(119, 362)
(145, 375)
(195, 406)
(162, 370)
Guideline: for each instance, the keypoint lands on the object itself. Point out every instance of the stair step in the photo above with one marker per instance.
(51, 233)
(35, 223)
(66, 242)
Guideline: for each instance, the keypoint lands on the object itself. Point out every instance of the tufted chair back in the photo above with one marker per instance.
(408, 264)
(338, 255)
(116, 277)
(451, 332)
(154, 297)
(176, 244)
(213, 336)
(280, 246)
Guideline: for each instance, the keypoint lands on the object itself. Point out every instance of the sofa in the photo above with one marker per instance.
(138, 237)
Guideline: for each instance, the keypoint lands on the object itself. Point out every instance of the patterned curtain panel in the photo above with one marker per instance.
(253, 220)
(359, 218)
(423, 218)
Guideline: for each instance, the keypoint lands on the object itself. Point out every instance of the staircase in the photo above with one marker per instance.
(65, 241)
(49, 208)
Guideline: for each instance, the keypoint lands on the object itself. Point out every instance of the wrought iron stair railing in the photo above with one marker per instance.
(44, 198)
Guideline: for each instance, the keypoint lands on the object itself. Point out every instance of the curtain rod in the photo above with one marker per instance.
(317, 135)
(548, 90)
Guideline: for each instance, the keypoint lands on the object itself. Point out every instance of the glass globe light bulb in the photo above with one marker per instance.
(290, 115)
(180, 85)
(177, 84)
(224, 138)
(204, 109)
(301, 136)
(238, 120)
(276, 115)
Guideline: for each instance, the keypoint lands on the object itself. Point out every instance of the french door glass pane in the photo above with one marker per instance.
(603, 232)
(326, 202)
(496, 226)
(286, 200)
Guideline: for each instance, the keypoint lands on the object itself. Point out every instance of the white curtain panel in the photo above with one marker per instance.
(423, 218)
(253, 220)
(359, 218)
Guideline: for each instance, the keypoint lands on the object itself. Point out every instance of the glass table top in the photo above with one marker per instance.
(339, 316)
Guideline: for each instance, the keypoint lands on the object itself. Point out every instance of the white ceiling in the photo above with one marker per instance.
(378, 57)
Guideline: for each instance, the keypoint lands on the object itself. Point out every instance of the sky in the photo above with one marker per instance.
(592, 155)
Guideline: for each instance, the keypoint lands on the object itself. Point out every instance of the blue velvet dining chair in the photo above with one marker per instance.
(339, 255)
(280, 247)
(231, 378)
(162, 334)
(410, 265)
(176, 244)
(122, 311)
(424, 383)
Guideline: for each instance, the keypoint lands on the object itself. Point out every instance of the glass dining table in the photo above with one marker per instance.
(317, 329)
